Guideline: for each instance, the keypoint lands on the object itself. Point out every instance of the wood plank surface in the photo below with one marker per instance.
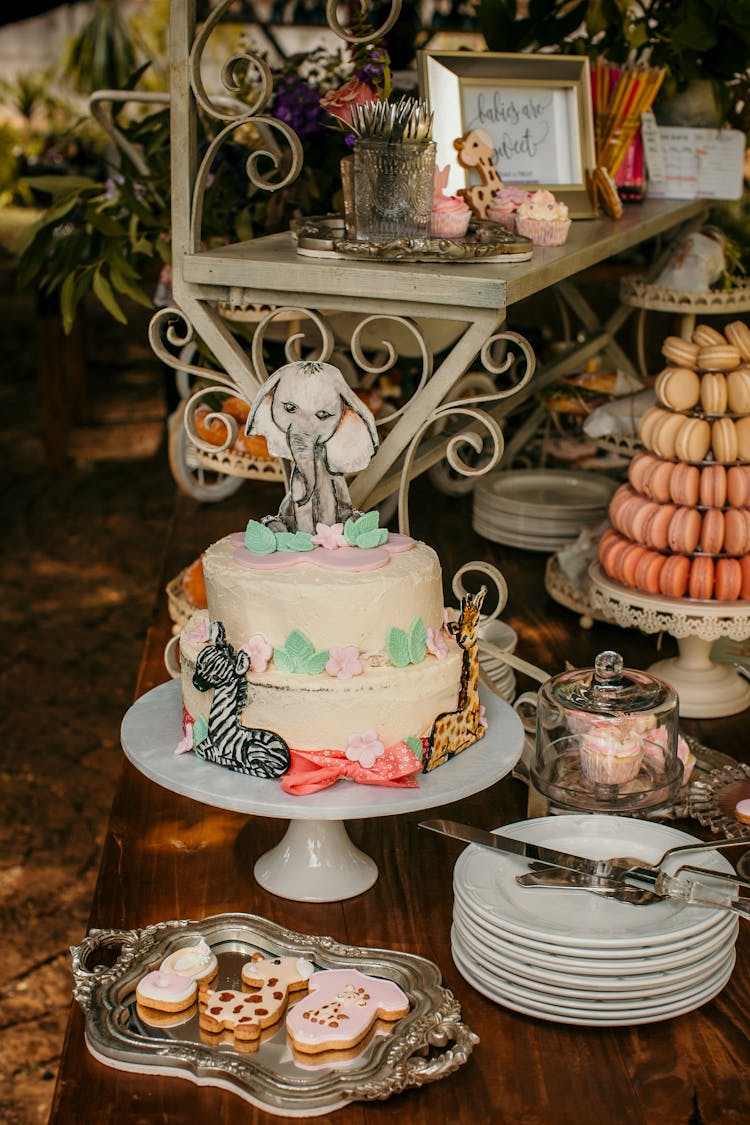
(168, 857)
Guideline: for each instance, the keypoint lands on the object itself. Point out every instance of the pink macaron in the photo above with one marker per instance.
(656, 529)
(713, 486)
(656, 480)
(684, 531)
(640, 465)
(712, 531)
(728, 581)
(684, 484)
(738, 486)
(737, 531)
(702, 575)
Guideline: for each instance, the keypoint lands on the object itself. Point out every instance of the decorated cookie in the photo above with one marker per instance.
(342, 1006)
(742, 811)
(154, 1018)
(230, 1010)
(196, 962)
(273, 978)
(165, 991)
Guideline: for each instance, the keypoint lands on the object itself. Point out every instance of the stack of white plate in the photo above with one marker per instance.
(539, 509)
(572, 957)
(502, 636)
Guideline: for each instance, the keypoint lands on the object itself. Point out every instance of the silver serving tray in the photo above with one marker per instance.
(428, 1043)
(324, 236)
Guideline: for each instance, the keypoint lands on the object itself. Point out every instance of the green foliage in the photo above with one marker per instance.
(298, 655)
(407, 648)
(294, 541)
(259, 539)
(364, 531)
(200, 730)
(415, 745)
(102, 55)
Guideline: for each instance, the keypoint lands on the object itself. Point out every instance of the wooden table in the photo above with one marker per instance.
(168, 857)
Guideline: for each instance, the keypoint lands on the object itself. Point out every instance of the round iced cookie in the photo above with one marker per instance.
(738, 390)
(713, 393)
(678, 388)
(742, 426)
(724, 443)
(684, 531)
(197, 962)
(674, 576)
(705, 336)
(712, 531)
(728, 582)
(683, 353)
(165, 991)
(701, 584)
(718, 357)
(684, 484)
(738, 335)
(738, 486)
(713, 486)
(665, 432)
(693, 440)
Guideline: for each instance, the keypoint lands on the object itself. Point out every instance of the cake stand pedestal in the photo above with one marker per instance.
(706, 690)
(315, 861)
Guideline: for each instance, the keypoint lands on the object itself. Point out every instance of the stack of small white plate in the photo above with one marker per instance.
(572, 957)
(539, 509)
(502, 636)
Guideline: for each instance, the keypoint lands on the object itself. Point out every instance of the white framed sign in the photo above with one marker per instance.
(536, 109)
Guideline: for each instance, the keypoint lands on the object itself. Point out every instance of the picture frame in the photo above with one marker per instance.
(537, 110)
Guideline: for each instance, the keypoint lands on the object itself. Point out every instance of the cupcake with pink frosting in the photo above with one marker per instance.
(611, 757)
(542, 219)
(505, 204)
(450, 215)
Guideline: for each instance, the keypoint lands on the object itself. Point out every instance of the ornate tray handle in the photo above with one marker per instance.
(430, 1042)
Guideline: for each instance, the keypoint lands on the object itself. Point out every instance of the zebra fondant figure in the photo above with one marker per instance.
(228, 743)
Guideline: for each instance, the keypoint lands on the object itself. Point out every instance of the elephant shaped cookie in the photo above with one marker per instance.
(342, 1006)
(307, 411)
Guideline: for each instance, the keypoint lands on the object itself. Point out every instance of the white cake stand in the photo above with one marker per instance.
(316, 861)
(706, 690)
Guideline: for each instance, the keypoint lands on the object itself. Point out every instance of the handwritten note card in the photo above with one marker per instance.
(534, 131)
(694, 163)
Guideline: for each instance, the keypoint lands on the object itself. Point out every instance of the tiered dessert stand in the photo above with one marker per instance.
(707, 690)
(316, 860)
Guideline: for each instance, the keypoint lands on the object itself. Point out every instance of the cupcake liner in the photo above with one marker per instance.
(450, 224)
(610, 769)
(544, 232)
(504, 218)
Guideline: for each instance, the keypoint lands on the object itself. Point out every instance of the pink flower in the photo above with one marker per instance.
(259, 651)
(185, 745)
(364, 748)
(329, 536)
(200, 630)
(344, 662)
(339, 103)
(436, 643)
(483, 716)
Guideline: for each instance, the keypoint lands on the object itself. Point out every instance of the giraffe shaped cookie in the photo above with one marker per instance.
(342, 1007)
(246, 1014)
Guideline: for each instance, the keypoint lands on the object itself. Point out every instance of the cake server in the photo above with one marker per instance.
(618, 869)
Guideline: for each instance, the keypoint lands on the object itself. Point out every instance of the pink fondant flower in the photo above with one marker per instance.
(344, 662)
(450, 616)
(185, 745)
(200, 629)
(437, 643)
(483, 716)
(329, 536)
(259, 651)
(364, 748)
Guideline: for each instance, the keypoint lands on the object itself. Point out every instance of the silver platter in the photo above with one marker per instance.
(324, 236)
(428, 1043)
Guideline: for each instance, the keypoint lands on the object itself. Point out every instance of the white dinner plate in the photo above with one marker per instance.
(487, 881)
(557, 490)
(613, 991)
(583, 1016)
(680, 957)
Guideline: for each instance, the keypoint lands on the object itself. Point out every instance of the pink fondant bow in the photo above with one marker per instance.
(312, 770)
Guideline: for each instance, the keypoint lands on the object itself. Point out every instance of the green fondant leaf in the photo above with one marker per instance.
(294, 541)
(415, 745)
(283, 660)
(299, 648)
(315, 664)
(417, 641)
(397, 647)
(349, 533)
(200, 730)
(367, 522)
(259, 539)
(374, 538)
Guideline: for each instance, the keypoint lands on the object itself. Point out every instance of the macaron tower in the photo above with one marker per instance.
(681, 525)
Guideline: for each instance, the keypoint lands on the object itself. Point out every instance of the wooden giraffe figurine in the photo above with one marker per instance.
(476, 150)
(454, 731)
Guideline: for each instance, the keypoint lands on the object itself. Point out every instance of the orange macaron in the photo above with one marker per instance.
(683, 353)
(738, 486)
(628, 561)
(684, 531)
(724, 442)
(674, 576)
(684, 484)
(640, 465)
(713, 486)
(704, 336)
(657, 480)
(656, 528)
(737, 531)
(648, 570)
(701, 582)
(745, 569)
(679, 388)
(713, 392)
(738, 334)
(712, 531)
(728, 580)
(693, 440)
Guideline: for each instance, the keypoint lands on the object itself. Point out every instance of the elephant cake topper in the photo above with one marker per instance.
(308, 413)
